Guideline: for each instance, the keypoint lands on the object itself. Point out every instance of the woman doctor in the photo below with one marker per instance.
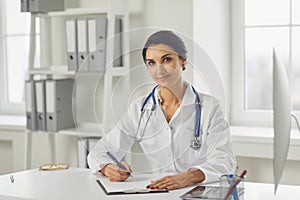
(182, 132)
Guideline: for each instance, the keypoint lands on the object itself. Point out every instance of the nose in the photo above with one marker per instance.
(160, 68)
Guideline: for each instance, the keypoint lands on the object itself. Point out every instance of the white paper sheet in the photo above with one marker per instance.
(134, 182)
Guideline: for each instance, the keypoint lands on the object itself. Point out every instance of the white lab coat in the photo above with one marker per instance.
(167, 145)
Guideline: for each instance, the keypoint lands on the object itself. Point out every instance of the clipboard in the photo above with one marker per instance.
(209, 192)
(133, 185)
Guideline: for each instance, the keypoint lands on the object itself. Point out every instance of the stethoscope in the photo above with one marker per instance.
(195, 142)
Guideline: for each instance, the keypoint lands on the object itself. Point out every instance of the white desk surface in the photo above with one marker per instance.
(76, 183)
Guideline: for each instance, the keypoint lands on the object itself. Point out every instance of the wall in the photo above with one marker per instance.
(261, 170)
(212, 32)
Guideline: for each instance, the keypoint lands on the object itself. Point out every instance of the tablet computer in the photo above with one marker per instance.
(209, 192)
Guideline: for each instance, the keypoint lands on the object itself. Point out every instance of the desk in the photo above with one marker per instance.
(76, 183)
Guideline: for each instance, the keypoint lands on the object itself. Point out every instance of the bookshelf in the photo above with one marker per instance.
(48, 69)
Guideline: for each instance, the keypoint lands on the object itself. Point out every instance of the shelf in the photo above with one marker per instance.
(88, 130)
(75, 11)
(117, 71)
(12, 122)
(83, 130)
(51, 72)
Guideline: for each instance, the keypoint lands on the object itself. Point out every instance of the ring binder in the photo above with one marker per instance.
(31, 112)
(72, 47)
(82, 42)
(59, 104)
(41, 104)
(96, 42)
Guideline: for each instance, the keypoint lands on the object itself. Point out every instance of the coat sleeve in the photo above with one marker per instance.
(220, 158)
(118, 141)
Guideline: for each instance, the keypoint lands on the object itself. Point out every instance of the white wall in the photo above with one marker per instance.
(261, 170)
(212, 32)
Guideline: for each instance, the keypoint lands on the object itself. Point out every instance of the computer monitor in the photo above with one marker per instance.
(282, 117)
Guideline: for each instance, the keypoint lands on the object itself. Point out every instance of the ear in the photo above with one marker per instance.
(183, 63)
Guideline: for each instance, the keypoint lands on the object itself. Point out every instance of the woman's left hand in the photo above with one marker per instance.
(177, 181)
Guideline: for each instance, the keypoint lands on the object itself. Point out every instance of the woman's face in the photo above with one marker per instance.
(164, 65)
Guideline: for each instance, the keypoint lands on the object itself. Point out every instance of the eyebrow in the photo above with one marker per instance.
(149, 60)
(168, 54)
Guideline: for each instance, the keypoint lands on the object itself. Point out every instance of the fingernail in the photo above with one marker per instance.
(148, 186)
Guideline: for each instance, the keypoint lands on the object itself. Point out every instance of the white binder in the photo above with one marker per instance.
(59, 104)
(41, 104)
(82, 42)
(71, 37)
(31, 113)
(96, 41)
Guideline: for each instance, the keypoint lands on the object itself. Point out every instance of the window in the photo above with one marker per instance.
(258, 26)
(15, 33)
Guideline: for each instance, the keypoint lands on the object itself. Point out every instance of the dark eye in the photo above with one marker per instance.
(167, 59)
(150, 63)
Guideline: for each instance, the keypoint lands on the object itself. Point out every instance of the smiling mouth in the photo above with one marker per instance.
(162, 78)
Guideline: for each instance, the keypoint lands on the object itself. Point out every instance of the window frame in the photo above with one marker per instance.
(6, 107)
(239, 115)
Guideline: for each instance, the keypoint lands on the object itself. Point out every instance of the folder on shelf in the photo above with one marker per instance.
(96, 43)
(82, 43)
(45, 5)
(24, 6)
(31, 113)
(118, 43)
(59, 104)
(41, 104)
(71, 37)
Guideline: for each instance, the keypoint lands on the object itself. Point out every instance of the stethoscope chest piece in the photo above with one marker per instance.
(195, 143)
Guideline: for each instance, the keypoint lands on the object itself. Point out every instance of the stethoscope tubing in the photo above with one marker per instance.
(197, 126)
(147, 99)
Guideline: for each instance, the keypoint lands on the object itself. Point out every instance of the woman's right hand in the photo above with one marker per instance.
(115, 173)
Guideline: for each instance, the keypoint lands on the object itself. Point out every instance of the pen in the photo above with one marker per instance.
(116, 161)
(233, 186)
